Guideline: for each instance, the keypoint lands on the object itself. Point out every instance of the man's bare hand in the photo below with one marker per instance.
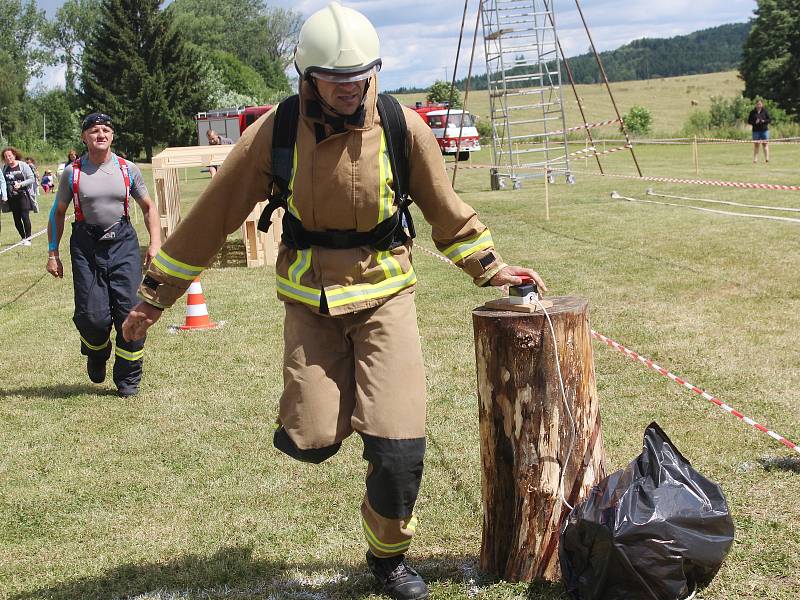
(509, 275)
(54, 267)
(139, 320)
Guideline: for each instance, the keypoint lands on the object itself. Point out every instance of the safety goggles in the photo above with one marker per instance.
(96, 119)
(344, 77)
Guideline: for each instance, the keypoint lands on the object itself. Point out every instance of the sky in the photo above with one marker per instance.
(419, 38)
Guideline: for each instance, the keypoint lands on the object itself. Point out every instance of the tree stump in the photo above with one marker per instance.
(526, 433)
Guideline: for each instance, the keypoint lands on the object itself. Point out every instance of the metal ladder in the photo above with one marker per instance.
(526, 101)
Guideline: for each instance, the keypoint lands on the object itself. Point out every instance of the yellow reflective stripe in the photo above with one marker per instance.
(290, 200)
(298, 292)
(367, 291)
(385, 180)
(176, 268)
(131, 356)
(91, 347)
(391, 267)
(412, 524)
(375, 543)
(461, 250)
(300, 265)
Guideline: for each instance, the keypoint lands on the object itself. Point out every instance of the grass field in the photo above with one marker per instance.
(178, 494)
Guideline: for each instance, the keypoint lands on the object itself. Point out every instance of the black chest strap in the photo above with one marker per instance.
(387, 234)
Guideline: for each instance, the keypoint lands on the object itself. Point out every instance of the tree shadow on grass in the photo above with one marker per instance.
(232, 572)
(57, 392)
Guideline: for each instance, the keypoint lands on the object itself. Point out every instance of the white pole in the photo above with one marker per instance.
(44, 127)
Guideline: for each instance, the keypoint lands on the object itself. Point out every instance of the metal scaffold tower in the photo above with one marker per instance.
(526, 101)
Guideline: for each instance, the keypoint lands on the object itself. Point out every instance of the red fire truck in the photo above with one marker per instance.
(227, 122)
(435, 113)
(231, 123)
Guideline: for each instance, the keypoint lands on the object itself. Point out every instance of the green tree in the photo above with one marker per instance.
(52, 111)
(638, 120)
(259, 36)
(441, 91)
(21, 58)
(67, 33)
(239, 77)
(771, 63)
(139, 69)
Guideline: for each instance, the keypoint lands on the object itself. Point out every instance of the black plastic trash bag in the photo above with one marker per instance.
(656, 530)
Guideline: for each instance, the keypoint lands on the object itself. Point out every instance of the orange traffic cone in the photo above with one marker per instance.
(196, 309)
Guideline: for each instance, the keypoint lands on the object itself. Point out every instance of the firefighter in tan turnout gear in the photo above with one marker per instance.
(352, 357)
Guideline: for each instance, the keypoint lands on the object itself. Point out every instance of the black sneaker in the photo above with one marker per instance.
(398, 580)
(96, 368)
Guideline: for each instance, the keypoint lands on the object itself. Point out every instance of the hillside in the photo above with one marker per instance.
(706, 51)
(670, 100)
(710, 50)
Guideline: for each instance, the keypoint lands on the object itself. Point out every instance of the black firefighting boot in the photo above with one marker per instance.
(398, 580)
(96, 368)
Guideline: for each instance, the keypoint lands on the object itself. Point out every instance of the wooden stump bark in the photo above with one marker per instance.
(526, 433)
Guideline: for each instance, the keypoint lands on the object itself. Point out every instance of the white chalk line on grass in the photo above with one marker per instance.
(652, 192)
(617, 196)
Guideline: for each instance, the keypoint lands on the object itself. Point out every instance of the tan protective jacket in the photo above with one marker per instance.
(341, 183)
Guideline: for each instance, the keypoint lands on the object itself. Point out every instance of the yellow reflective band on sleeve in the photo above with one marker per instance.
(176, 268)
(91, 347)
(369, 291)
(376, 544)
(385, 180)
(461, 250)
(290, 200)
(131, 356)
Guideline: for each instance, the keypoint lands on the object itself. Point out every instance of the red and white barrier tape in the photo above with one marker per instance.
(730, 184)
(649, 363)
(684, 141)
(592, 151)
(582, 127)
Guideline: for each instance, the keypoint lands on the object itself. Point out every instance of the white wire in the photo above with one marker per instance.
(560, 381)
(28, 239)
(574, 429)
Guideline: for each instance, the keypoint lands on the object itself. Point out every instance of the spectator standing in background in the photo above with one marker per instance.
(214, 139)
(759, 119)
(18, 180)
(48, 184)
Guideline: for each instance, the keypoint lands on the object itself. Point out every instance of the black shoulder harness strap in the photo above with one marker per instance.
(388, 234)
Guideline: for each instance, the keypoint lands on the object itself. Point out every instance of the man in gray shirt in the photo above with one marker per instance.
(104, 249)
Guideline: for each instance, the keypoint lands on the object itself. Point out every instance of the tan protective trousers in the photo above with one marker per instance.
(360, 372)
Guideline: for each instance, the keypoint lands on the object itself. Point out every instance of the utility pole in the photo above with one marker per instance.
(44, 127)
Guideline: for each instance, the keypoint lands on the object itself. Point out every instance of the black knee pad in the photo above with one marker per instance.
(284, 443)
(393, 482)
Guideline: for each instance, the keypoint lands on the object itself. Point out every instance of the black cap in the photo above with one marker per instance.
(96, 118)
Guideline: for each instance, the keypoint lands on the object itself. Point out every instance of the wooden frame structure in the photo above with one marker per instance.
(260, 248)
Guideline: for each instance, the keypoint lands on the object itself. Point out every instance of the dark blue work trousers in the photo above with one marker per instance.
(106, 271)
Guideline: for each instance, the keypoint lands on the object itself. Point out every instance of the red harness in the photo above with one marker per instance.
(76, 178)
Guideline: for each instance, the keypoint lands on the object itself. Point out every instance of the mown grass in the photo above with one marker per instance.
(178, 493)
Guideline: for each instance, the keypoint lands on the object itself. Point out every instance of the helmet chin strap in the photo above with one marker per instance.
(329, 107)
